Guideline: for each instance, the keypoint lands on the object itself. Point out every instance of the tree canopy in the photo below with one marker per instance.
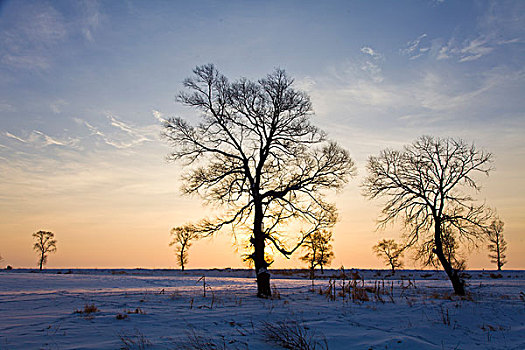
(391, 252)
(497, 245)
(44, 244)
(182, 239)
(422, 185)
(257, 155)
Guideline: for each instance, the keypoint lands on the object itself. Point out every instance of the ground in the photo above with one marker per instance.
(167, 309)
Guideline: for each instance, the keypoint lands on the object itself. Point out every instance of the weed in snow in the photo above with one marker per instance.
(196, 341)
(134, 341)
(291, 334)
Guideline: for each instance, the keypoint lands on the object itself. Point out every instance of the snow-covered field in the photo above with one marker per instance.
(166, 309)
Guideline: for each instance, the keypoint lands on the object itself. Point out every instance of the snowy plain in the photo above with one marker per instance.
(167, 309)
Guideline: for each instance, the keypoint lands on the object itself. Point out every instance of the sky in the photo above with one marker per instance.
(84, 86)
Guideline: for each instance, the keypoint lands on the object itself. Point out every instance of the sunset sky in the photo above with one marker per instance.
(85, 84)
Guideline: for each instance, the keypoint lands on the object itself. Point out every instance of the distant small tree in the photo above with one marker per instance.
(318, 250)
(497, 244)
(451, 250)
(391, 252)
(182, 237)
(44, 244)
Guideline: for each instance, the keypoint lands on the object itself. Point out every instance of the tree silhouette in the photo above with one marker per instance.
(257, 155)
(497, 245)
(182, 237)
(422, 185)
(391, 252)
(44, 244)
(318, 250)
(451, 247)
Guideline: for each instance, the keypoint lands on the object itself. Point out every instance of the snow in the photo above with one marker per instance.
(166, 309)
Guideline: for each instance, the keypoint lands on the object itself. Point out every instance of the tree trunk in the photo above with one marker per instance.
(499, 257)
(181, 258)
(312, 270)
(41, 261)
(457, 283)
(261, 266)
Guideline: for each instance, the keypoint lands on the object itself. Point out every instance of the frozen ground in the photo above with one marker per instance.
(165, 309)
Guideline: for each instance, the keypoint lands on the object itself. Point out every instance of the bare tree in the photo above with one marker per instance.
(497, 245)
(44, 244)
(318, 250)
(391, 252)
(182, 237)
(257, 155)
(422, 185)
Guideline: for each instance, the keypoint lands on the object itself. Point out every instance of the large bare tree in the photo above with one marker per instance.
(45, 243)
(256, 154)
(422, 185)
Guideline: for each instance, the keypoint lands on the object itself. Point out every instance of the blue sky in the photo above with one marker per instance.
(84, 84)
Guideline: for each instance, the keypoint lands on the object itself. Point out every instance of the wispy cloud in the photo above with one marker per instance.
(373, 66)
(6, 107)
(499, 26)
(135, 135)
(48, 140)
(33, 34)
(468, 50)
(119, 134)
(39, 139)
(159, 116)
(371, 52)
(429, 97)
(94, 130)
(37, 28)
(121, 125)
(416, 48)
(57, 105)
(29, 62)
(91, 19)
(8, 134)
(475, 49)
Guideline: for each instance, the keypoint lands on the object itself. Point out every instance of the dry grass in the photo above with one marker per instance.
(137, 311)
(195, 341)
(136, 341)
(330, 291)
(291, 334)
(275, 292)
(88, 309)
(451, 296)
(358, 292)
